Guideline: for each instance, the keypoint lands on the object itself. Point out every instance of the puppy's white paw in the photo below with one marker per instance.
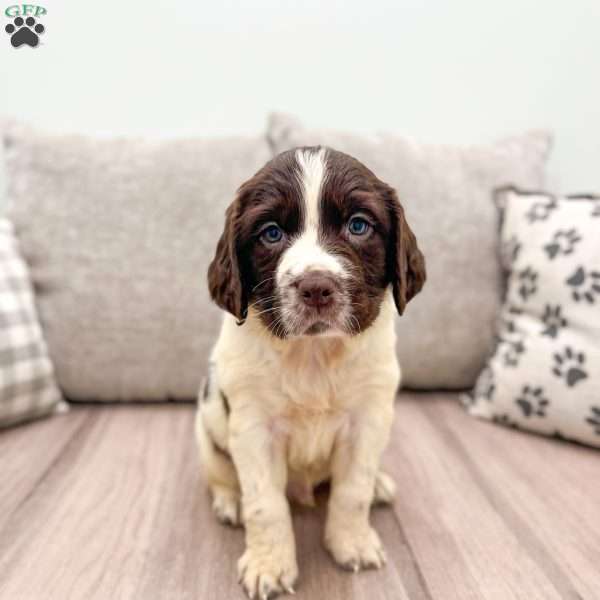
(356, 549)
(266, 573)
(226, 506)
(385, 489)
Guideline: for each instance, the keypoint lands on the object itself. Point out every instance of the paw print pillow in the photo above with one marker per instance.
(544, 374)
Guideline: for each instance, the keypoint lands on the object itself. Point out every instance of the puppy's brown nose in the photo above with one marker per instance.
(316, 289)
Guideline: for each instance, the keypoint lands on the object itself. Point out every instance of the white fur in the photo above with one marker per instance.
(302, 411)
(306, 253)
(313, 170)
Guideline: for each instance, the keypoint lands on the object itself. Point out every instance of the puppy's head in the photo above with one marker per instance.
(311, 243)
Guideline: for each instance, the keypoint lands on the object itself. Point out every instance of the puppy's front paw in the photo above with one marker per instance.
(356, 549)
(265, 573)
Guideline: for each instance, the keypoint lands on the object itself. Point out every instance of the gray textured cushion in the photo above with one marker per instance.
(118, 234)
(447, 331)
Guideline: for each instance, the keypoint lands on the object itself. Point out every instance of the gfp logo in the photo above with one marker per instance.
(25, 29)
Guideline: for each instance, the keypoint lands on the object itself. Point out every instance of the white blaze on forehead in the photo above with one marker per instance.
(305, 253)
(312, 176)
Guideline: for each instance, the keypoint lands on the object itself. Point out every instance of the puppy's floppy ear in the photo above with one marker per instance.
(224, 273)
(407, 261)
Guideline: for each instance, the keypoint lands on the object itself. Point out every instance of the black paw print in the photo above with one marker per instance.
(563, 242)
(24, 32)
(540, 211)
(569, 366)
(510, 339)
(506, 420)
(532, 401)
(507, 325)
(511, 352)
(585, 284)
(528, 282)
(553, 320)
(510, 251)
(485, 385)
(594, 419)
(468, 399)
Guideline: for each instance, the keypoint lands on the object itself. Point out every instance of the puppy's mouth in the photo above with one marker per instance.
(315, 304)
(317, 328)
(301, 324)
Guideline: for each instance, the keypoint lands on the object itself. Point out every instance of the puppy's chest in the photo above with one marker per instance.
(309, 440)
(313, 380)
(313, 409)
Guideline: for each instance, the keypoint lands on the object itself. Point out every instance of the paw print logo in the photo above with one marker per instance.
(570, 366)
(563, 242)
(532, 401)
(585, 284)
(594, 419)
(510, 250)
(540, 211)
(24, 32)
(527, 283)
(553, 320)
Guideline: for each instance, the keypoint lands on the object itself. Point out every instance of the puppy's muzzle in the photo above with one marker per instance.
(316, 290)
(318, 297)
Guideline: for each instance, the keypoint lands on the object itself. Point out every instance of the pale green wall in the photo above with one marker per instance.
(2, 183)
(454, 71)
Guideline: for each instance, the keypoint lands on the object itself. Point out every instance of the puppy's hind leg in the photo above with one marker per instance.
(224, 486)
(219, 472)
(385, 489)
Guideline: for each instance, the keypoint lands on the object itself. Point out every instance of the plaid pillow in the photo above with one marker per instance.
(27, 386)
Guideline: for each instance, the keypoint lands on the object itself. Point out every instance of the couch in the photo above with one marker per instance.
(106, 500)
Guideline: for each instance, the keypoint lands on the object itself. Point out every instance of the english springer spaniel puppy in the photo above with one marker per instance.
(315, 259)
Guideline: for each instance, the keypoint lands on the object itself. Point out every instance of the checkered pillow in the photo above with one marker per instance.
(27, 386)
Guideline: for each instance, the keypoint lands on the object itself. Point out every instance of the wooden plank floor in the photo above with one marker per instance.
(106, 503)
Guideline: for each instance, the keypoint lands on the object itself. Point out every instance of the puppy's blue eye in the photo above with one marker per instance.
(358, 226)
(272, 234)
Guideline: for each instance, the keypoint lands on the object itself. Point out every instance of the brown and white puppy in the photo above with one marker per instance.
(315, 259)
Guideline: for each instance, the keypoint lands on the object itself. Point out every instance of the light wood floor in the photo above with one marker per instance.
(105, 503)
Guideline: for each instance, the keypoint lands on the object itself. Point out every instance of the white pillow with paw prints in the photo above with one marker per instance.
(545, 372)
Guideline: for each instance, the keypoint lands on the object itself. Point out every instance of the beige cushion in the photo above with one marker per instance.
(118, 234)
(27, 385)
(545, 372)
(447, 330)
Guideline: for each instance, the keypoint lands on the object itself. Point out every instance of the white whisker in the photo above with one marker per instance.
(263, 282)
